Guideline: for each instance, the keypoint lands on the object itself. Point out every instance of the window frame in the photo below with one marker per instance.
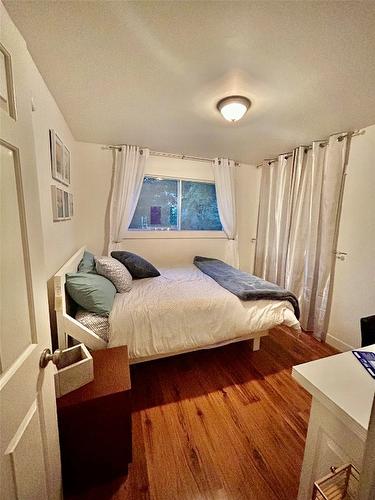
(135, 234)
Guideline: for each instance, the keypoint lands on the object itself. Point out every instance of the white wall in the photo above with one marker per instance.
(94, 184)
(92, 193)
(61, 238)
(248, 188)
(354, 282)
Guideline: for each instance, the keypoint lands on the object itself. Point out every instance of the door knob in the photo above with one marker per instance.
(47, 356)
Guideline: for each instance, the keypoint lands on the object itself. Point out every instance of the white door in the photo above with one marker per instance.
(353, 294)
(30, 460)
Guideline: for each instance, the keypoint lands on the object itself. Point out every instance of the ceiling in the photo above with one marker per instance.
(151, 73)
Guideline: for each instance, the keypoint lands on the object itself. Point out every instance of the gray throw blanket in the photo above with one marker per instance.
(245, 286)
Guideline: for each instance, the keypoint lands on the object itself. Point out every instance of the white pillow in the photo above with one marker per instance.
(116, 272)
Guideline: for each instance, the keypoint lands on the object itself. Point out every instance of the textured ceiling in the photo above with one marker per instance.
(150, 73)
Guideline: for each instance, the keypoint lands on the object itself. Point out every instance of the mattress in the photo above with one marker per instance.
(184, 309)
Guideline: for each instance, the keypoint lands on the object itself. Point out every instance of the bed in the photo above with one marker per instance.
(180, 311)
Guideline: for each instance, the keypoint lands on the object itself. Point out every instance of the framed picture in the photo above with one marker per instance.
(71, 210)
(57, 157)
(7, 97)
(66, 205)
(66, 166)
(62, 204)
(57, 203)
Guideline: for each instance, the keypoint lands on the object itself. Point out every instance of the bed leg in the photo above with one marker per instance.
(255, 344)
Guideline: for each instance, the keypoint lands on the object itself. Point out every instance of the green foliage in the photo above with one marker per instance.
(198, 205)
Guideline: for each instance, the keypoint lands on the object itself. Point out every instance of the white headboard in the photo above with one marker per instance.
(66, 324)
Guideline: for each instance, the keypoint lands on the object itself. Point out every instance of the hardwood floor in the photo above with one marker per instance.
(226, 423)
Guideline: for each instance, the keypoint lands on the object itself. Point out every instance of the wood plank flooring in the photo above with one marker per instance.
(221, 424)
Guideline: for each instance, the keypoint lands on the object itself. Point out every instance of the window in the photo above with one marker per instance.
(176, 205)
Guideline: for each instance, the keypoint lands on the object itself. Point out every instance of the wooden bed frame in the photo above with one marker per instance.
(67, 326)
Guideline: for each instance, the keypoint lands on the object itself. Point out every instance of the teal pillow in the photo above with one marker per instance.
(91, 291)
(87, 264)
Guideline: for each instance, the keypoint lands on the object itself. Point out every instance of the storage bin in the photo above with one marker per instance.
(341, 484)
(75, 368)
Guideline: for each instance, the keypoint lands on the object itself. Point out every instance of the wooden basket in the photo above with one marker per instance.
(75, 368)
(341, 484)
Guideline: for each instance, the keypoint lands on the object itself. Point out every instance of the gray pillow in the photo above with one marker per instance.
(87, 264)
(91, 291)
(137, 266)
(98, 324)
(116, 272)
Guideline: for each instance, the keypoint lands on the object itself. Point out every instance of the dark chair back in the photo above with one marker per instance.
(368, 330)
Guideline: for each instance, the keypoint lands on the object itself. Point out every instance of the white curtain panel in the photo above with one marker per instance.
(280, 211)
(274, 219)
(303, 251)
(297, 228)
(225, 184)
(263, 232)
(330, 211)
(128, 176)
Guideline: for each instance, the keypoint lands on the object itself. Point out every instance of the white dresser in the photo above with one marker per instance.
(342, 392)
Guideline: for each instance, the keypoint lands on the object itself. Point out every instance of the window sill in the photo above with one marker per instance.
(174, 235)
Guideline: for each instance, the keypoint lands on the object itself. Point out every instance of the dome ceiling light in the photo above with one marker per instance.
(233, 107)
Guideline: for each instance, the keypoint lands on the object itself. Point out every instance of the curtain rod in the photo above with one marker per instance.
(181, 156)
(322, 144)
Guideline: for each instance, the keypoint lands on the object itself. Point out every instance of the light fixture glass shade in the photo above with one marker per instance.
(234, 107)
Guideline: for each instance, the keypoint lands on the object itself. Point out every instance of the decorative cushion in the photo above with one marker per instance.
(136, 265)
(91, 291)
(87, 264)
(116, 272)
(98, 324)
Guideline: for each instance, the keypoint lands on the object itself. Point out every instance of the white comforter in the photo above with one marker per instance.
(185, 309)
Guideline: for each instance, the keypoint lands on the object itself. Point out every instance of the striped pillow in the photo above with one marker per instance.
(114, 271)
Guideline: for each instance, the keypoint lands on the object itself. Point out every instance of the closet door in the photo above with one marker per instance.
(29, 447)
(354, 283)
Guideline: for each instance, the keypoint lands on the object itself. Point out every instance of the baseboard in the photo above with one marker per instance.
(338, 344)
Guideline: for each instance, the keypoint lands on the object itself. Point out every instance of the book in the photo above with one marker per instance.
(367, 359)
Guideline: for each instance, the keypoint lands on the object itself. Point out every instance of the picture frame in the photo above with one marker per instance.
(71, 205)
(57, 157)
(66, 166)
(62, 204)
(66, 205)
(57, 203)
(7, 93)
